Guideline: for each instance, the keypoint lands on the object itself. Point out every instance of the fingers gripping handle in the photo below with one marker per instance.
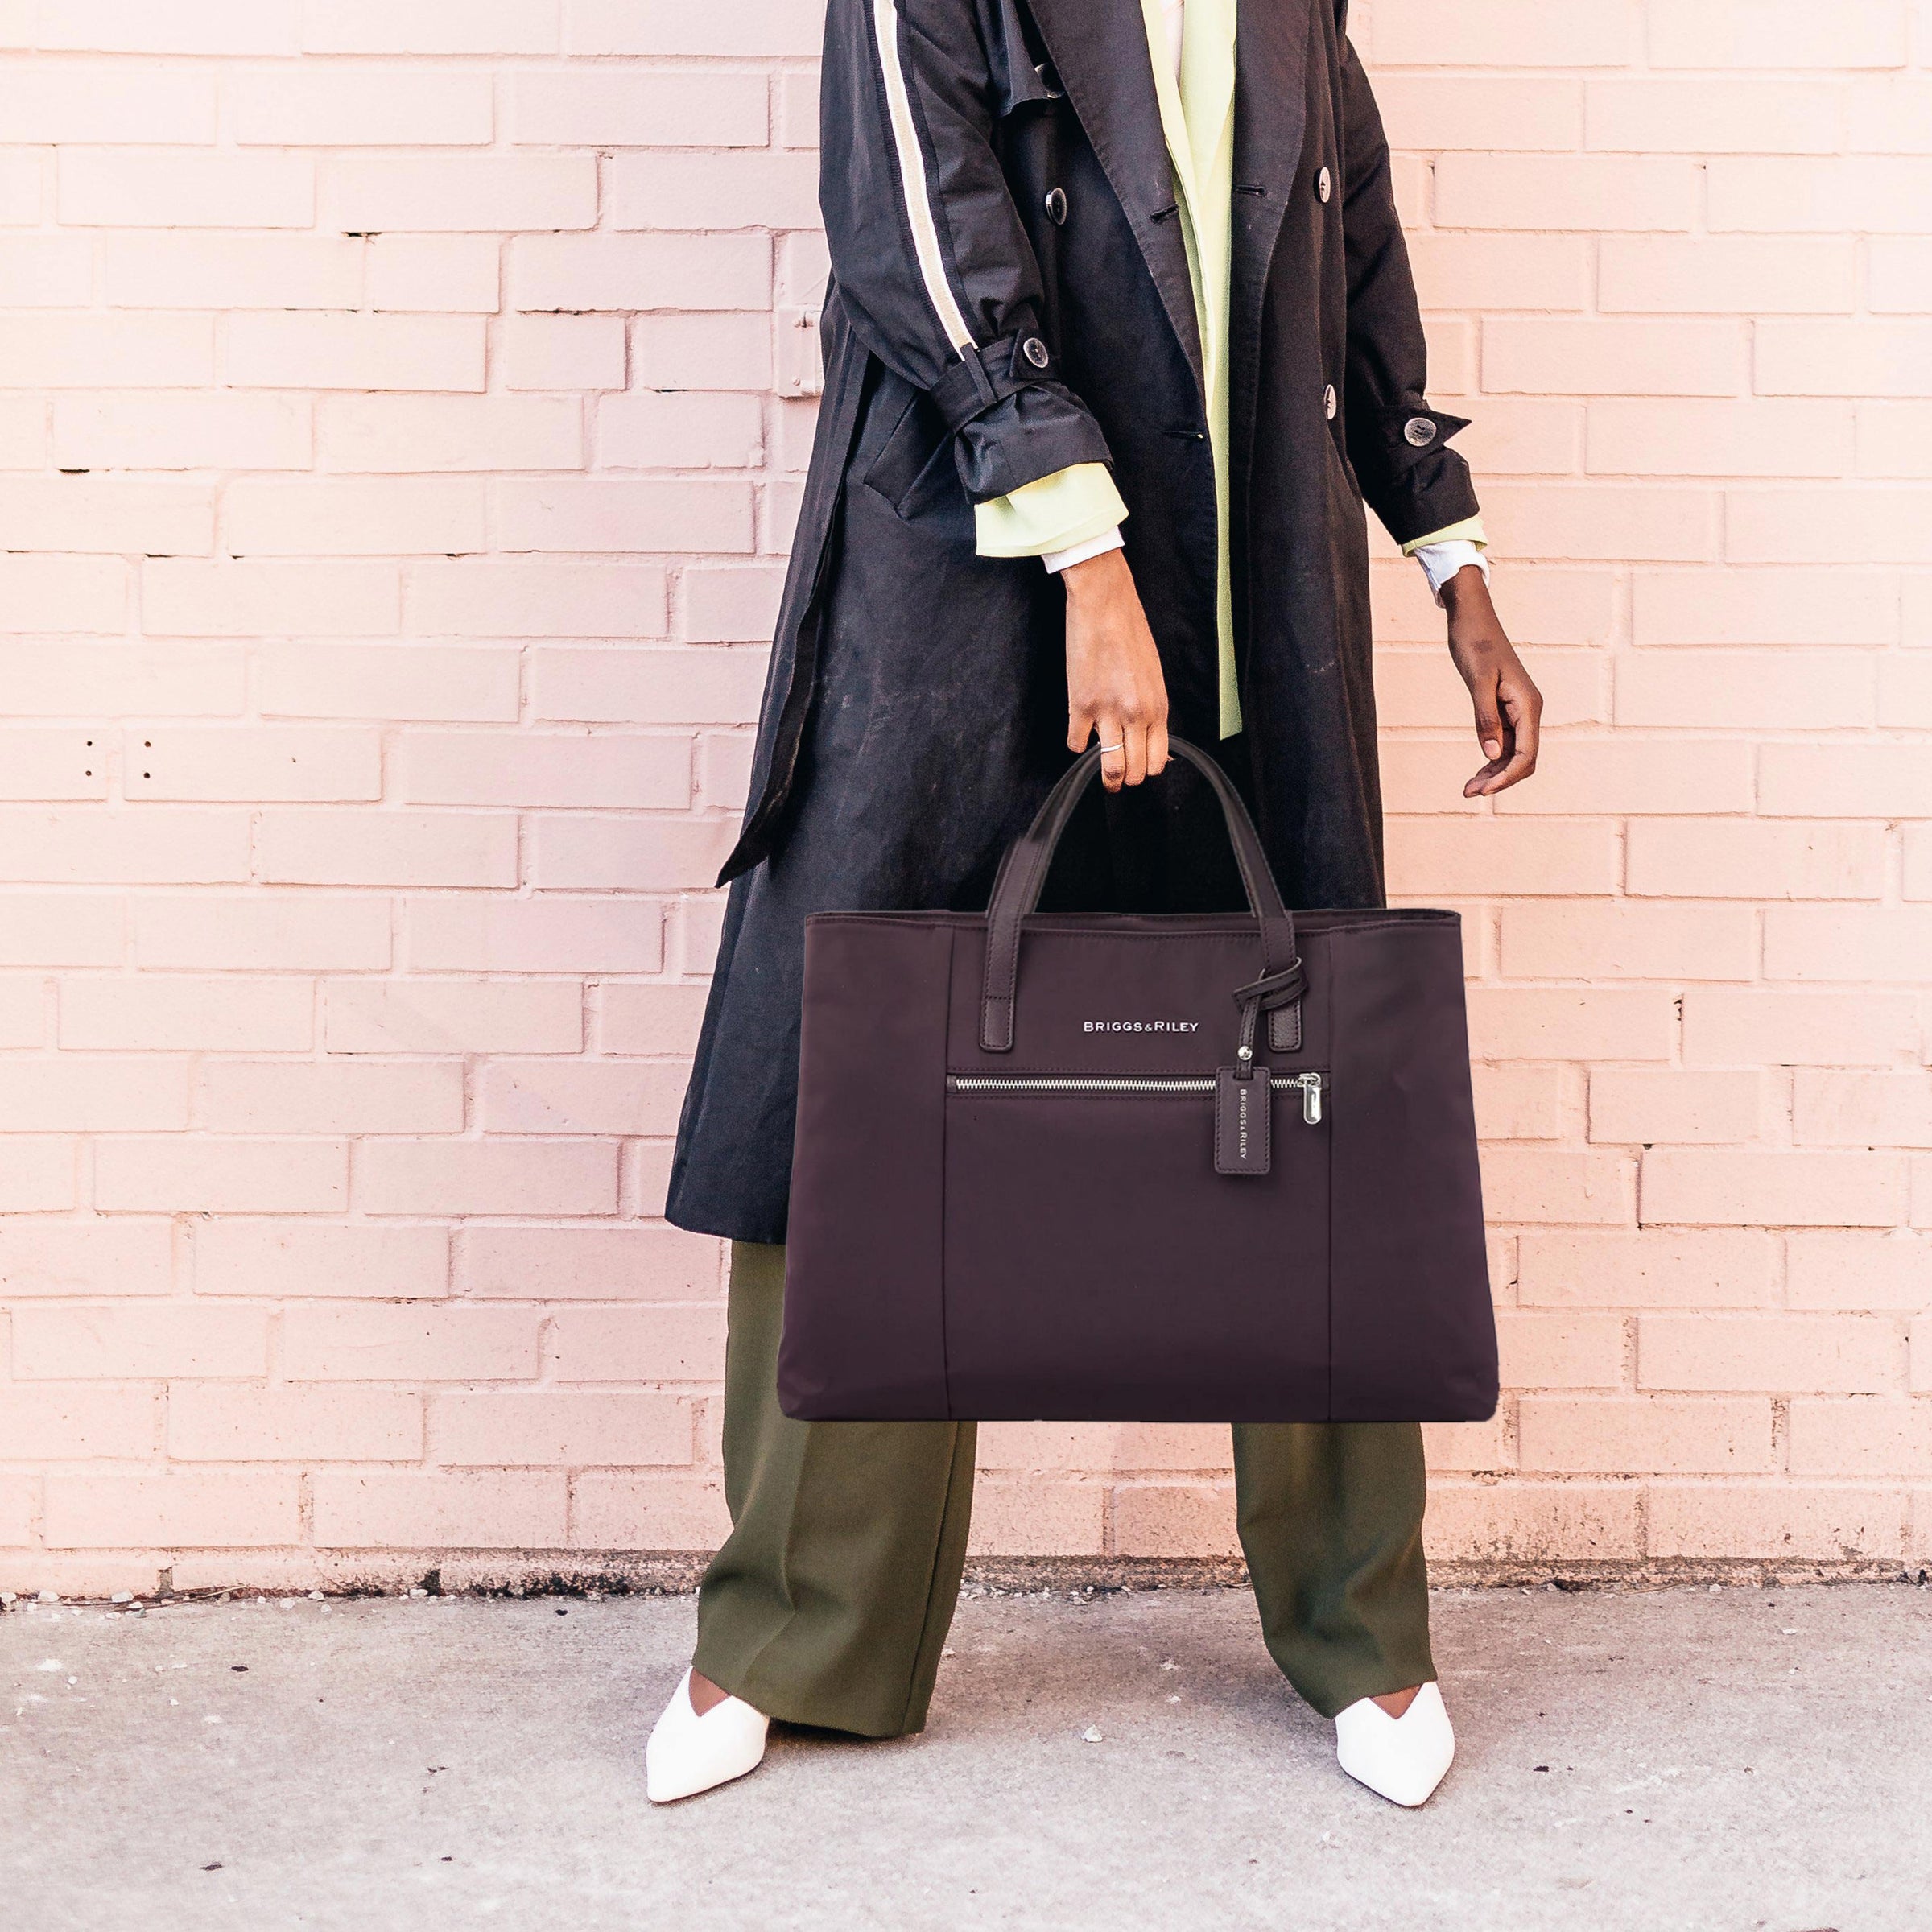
(1022, 875)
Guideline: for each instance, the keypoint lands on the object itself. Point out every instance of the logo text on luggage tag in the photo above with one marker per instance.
(1242, 1107)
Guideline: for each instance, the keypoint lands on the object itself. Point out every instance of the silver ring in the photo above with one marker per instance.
(1105, 748)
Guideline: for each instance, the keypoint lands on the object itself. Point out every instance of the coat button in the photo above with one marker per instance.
(1034, 350)
(1324, 184)
(1056, 205)
(1328, 402)
(1419, 431)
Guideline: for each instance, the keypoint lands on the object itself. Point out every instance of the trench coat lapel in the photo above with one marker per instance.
(1270, 121)
(1098, 48)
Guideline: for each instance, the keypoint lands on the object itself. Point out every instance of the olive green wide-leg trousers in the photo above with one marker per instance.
(830, 1601)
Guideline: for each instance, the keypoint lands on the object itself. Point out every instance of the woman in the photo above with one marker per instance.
(1120, 337)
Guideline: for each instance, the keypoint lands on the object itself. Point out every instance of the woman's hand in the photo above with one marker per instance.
(1114, 684)
(1509, 707)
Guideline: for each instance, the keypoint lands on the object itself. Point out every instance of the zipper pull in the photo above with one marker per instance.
(1311, 1099)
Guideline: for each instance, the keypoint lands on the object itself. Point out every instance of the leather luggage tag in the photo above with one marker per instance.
(1242, 1106)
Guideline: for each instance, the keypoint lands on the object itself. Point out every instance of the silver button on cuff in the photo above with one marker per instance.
(1419, 431)
(1056, 205)
(1324, 184)
(1034, 350)
(1329, 404)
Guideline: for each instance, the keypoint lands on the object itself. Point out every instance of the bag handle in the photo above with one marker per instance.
(1022, 875)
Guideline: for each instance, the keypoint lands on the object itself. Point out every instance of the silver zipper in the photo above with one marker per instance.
(1313, 1085)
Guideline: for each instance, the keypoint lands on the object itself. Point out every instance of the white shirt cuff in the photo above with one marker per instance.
(1058, 560)
(1440, 561)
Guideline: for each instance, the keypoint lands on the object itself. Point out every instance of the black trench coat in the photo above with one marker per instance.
(915, 713)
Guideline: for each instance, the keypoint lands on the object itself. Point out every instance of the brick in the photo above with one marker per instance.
(560, 1426)
(107, 1509)
(551, 768)
(427, 26)
(550, 934)
(1508, 33)
(211, 27)
(629, 107)
(57, 101)
(52, 763)
(117, 1257)
(184, 1174)
(1774, 1520)
(1586, 1435)
(724, 762)
(223, 1423)
(1637, 778)
(1792, 195)
(491, 598)
(1891, 113)
(1536, 1184)
(631, 272)
(1566, 1351)
(319, 1258)
(1895, 439)
(1776, 33)
(662, 1513)
(645, 1264)
(107, 513)
(1753, 860)
(428, 194)
(1844, 1269)
(175, 269)
(1822, 1354)
(669, 28)
(1710, 116)
(1833, 1109)
(1619, 523)
(591, 853)
(1538, 1522)
(1898, 273)
(1867, 357)
(1727, 274)
(578, 514)
(180, 1014)
(356, 352)
(383, 1342)
(1468, 1446)
(608, 685)
(1174, 1519)
(46, 271)
(649, 1019)
(1590, 192)
(55, 594)
(150, 1339)
(1861, 1437)
(107, 350)
(23, 1011)
(1773, 606)
(500, 1176)
(53, 1423)
(449, 274)
(1434, 111)
(19, 1506)
(453, 1016)
(356, 1096)
(1749, 1026)
(1905, 698)
(251, 762)
(1520, 1103)
(408, 435)
(1859, 943)
(1686, 438)
(683, 430)
(730, 603)
(657, 1343)
(494, 1510)
(68, 1095)
(111, 188)
(702, 352)
(1104, 1448)
(1456, 858)
(581, 1096)
(122, 845)
(1521, 436)
(247, 598)
(61, 929)
(1771, 1188)
(763, 188)
(326, 105)
(323, 848)
(1516, 1022)
(1630, 1107)
(1593, 356)
(38, 1176)
(352, 516)
(1736, 690)
(1039, 1518)
(1675, 1268)
(440, 683)
(562, 351)
(798, 110)
(1626, 938)
(209, 431)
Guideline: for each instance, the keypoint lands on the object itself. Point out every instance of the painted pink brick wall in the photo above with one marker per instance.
(403, 409)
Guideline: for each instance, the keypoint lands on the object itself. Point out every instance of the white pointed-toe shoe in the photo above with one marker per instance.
(687, 1753)
(1402, 1759)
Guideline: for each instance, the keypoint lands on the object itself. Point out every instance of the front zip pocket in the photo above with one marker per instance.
(1313, 1085)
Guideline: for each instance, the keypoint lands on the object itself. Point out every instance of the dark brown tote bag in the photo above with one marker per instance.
(1097, 1167)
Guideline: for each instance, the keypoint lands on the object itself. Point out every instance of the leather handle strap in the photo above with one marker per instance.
(1022, 875)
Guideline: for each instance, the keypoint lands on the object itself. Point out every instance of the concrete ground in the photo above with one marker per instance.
(1664, 1759)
